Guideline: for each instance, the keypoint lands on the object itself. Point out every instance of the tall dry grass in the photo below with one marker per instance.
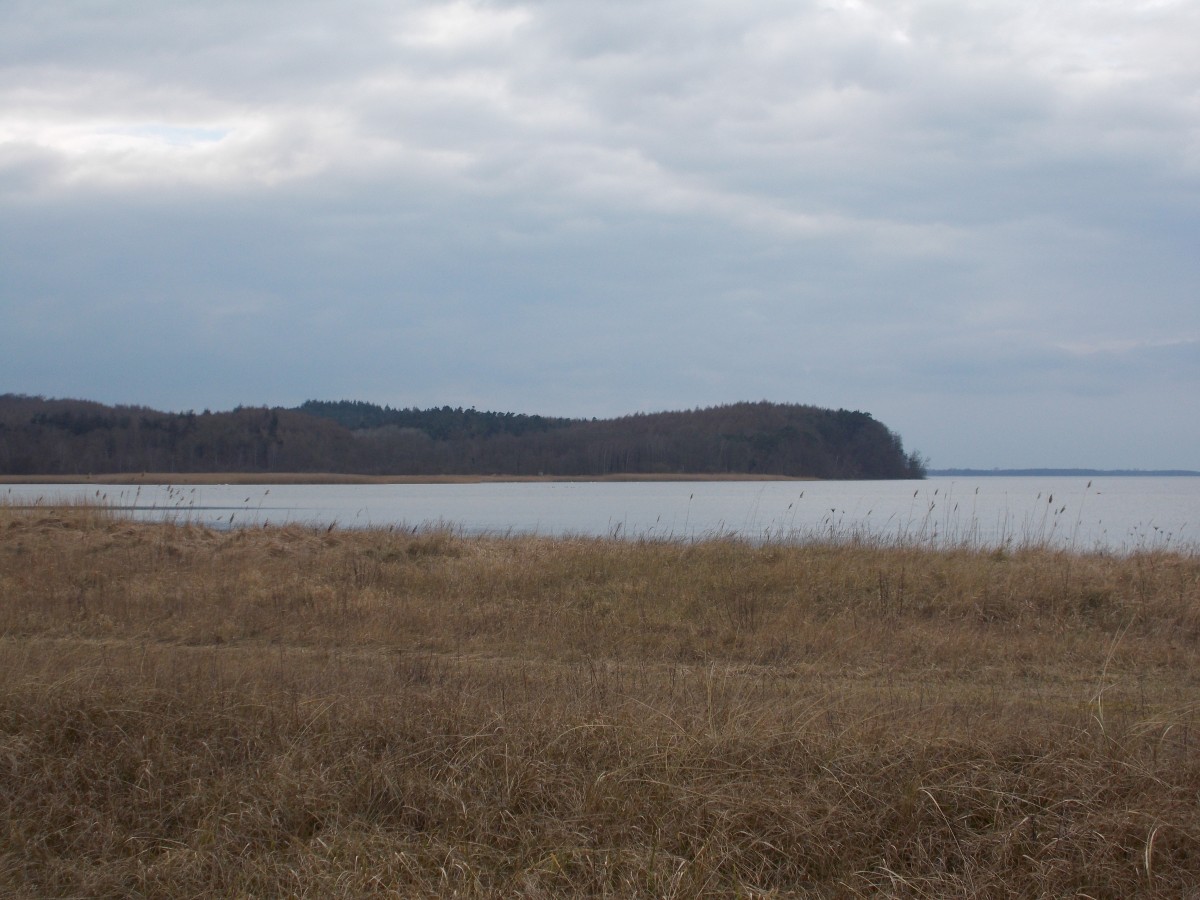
(287, 711)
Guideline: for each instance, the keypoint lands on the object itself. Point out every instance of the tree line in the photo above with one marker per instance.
(76, 437)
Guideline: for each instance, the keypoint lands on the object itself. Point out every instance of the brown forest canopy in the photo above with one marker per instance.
(77, 437)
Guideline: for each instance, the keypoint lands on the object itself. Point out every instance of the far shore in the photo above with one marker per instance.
(335, 478)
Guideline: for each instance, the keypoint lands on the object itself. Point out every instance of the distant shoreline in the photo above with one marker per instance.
(334, 478)
(198, 478)
(1063, 473)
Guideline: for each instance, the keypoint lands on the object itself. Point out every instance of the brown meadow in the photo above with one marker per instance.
(290, 711)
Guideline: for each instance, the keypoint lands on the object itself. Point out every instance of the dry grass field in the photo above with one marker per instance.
(292, 712)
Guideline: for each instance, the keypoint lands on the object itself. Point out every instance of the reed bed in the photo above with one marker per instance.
(287, 711)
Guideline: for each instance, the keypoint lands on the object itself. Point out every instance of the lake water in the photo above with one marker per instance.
(1119, 514)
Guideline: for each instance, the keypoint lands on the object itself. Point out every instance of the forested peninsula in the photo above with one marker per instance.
(40, 436)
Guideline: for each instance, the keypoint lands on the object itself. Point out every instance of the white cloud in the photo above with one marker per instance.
(460, 26)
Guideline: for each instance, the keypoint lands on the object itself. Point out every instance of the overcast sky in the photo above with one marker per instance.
(978, 221)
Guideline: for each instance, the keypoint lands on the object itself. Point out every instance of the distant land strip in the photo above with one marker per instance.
(338, 478)
(1063, 473)
(368, 443)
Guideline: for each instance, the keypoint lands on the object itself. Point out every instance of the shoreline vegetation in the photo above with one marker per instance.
(77, 437)
(309, 712)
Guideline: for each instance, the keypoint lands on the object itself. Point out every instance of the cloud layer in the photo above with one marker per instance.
(979, 222)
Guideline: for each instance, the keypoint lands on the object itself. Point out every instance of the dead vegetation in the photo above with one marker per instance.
(287, 711)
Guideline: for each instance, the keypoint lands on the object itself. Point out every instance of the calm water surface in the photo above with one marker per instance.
(1119, 513)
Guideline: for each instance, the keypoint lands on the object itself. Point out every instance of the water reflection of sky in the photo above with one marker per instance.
(1118, 513)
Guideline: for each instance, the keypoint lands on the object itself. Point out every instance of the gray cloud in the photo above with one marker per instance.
(973, 222)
